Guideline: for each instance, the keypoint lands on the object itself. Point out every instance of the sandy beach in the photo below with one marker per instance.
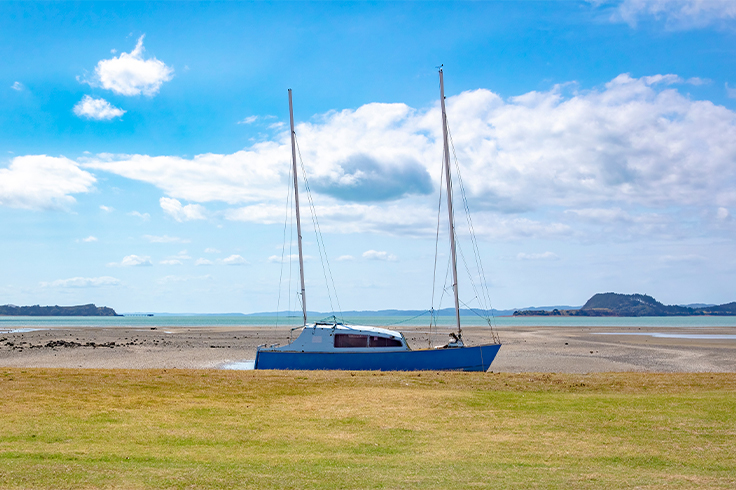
(525, 349)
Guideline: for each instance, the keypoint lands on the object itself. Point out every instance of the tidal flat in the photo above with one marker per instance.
(93, 428)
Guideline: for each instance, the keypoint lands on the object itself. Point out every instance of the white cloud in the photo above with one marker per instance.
(376, 255)
(83, 282)
(89, 239)
(211, 251)
(677, 14)
(132, 260)
(171, 262)
(180, 213)
(176, 259)
(17, 86)
(632, 143)
(143, 216)
(538, 256)
(106, 209)
(253, 175)
(97, 109)
(723, 214)
(344, 258)
(130, 74)
(249, 120)
(234, 260)
(165, 239)
(42, 182)
(202, 261)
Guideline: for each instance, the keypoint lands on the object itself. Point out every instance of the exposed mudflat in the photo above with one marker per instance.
(525, 349)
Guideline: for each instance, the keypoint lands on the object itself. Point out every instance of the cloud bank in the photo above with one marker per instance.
(42, 182)
(548, 164)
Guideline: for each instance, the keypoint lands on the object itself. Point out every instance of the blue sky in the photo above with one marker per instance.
(145, 151)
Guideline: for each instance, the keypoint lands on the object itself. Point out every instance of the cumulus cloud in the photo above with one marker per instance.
(83, 282)
(180, 213)
(202, 261)
(131, 74)
(376, 255)
(677, 14)
(538, 256)
(106, 209)
(211, 250)
(17, 86)
(97, 109)
(631, 143)
(132, 261)
(177, 259)
(89, 239)
(42, 182)
(234, 260)
(363, 178)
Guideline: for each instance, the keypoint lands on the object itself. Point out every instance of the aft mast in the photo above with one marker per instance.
(296, 203)
(448, 181)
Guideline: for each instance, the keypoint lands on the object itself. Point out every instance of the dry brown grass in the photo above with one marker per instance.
(228, 429)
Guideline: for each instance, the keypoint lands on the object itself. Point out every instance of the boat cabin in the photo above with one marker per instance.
(336, 337)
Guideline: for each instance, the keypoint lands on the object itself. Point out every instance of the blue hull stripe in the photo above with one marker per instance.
(476, 358)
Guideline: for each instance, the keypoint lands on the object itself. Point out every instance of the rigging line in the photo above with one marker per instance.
(320, 239)
(436, 249)
(283, 247)
(410, 319)
(471, 228)
(291, 244)
(488, 304)
(314, 224)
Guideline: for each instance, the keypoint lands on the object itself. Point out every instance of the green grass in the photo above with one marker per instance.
(224, 429)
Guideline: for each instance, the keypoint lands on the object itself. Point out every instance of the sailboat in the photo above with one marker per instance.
(338, 346)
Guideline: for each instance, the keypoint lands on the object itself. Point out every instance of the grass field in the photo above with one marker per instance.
(228, 429)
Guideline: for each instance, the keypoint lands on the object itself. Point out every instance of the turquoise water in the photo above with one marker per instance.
(14, 322)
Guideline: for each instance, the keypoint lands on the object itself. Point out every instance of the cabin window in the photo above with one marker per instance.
(384, 342)
(350, 340)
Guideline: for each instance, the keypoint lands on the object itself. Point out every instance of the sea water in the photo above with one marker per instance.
(8, 323)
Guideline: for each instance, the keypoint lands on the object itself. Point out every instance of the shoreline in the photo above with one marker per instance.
(561, 349)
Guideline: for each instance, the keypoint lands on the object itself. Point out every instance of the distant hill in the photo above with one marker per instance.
(615, 304)
(36, 310)
(382, 313)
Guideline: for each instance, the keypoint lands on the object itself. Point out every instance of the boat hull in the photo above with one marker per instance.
(475, 358)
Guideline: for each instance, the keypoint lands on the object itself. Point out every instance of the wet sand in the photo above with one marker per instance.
(525, 349)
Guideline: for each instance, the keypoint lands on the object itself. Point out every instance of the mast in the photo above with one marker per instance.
(296, 203)
(448, 181)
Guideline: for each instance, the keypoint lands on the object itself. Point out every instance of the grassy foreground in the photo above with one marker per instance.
(64, 428)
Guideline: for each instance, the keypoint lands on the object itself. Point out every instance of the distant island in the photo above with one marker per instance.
(615, 304)
(36, 310)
